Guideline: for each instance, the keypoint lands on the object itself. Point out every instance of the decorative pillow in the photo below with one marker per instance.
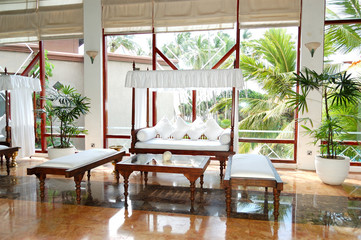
(213, 130)
(196, 130)
(164, 128)
(181, 128)
(225, 137)
(146, 134)
(3, 125)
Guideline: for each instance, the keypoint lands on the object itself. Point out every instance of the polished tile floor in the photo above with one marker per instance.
(309, 209)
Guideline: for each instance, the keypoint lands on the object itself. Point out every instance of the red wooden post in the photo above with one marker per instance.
(154, 66)
(42, 95)
(105, 90)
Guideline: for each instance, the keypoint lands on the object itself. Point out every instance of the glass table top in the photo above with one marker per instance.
(175, 161)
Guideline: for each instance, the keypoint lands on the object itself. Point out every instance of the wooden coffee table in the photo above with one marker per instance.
(192, 167)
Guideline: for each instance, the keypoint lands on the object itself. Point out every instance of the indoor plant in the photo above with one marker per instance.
(340, 92)
(65, 106)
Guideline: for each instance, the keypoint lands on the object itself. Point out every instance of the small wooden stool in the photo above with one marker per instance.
(252, 170)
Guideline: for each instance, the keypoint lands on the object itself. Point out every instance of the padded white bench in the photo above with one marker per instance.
(75, 165)
(252, 170)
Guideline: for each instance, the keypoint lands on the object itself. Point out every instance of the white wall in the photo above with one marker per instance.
(312, 31)
(93, 73)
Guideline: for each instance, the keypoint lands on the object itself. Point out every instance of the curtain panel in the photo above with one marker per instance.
(127, 16)
(31, 20)
(215, 78)
(22, 111)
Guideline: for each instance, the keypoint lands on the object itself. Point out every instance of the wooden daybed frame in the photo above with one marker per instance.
(221, 156)
(77, 172)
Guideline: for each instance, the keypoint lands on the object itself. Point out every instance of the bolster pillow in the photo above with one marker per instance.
(146, 134)
(225, 137)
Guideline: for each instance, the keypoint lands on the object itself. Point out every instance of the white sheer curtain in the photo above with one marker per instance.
(22, 121)
(236, 111)
(140, 108)
(22, 112)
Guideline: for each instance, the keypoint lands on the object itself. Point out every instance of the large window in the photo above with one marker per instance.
(342, 53)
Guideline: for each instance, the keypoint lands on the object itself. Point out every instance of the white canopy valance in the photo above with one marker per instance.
(215, 78)
(11, 82)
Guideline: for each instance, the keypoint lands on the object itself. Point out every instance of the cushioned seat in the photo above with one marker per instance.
(252, 170)
(79, 159)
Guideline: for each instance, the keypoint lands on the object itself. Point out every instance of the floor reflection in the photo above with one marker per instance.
(251, 204)
(162, 210)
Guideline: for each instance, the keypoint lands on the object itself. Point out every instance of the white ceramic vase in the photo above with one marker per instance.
(60, 152)
(332, 171)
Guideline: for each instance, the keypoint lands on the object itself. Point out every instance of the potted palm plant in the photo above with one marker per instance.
(64, 106)
(340, 91)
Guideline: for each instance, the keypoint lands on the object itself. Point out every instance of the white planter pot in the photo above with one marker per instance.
(59, 152)
(332, 171)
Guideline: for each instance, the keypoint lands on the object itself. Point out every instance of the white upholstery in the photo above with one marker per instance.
(78, 159)
(164, 128)
(251, 166)
(146, 134)
(181, 128)
(197, 129)
(225, 137)
(184, 144)
(3, 147)
(213, 130)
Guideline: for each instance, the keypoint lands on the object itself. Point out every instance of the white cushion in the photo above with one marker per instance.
(164, 128)
(146, 134)
(184, 144)
(225, 137)
(213, 130)
(181, 129)
(196, 130)
(3, 125)
(78, 159)
(3, 147)
(251, 166)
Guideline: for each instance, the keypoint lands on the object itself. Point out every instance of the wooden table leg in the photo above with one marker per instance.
(77, 180)
(201, 181)
(13, 159)
(126, 175)
(276, 202)
(88, 175)
(228, 189)
(117, 175)
(7, 164)
(193, 188)
(41, 178)
(145, 178)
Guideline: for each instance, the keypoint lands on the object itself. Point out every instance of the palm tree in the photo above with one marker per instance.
(271, 62)
(126, 41)
(345, 37)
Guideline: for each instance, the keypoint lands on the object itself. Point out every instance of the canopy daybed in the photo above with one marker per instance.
(21, 136)
(188, 79)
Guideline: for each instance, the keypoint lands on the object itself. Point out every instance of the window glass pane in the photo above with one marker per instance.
(342, 9)
(342, 53)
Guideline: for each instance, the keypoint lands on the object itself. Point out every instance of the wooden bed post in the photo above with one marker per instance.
(7, 115)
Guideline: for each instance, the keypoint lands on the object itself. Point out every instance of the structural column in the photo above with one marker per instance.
(312, 30)
(93, 73)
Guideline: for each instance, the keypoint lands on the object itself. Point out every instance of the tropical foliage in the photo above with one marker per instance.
(66, 106)
(344, 37)
(126, 42)
(339, 92)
